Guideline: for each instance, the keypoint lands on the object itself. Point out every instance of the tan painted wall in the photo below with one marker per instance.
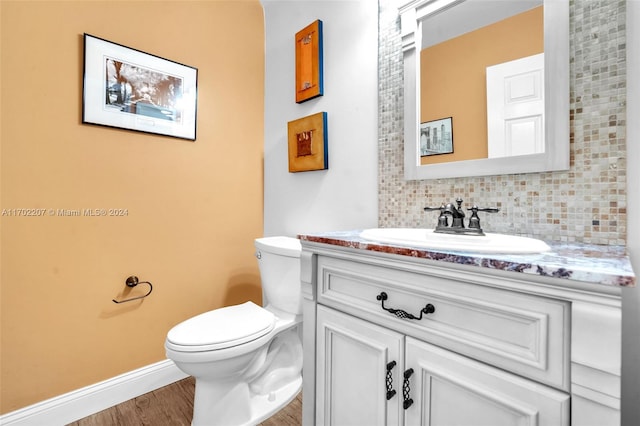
(453, 78)
(194, 208)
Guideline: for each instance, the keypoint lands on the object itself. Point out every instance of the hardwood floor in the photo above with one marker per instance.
(173, 406)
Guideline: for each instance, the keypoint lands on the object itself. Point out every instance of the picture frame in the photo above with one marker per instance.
(308, 143)
(129, 89)
(436, 137)
(309, 62)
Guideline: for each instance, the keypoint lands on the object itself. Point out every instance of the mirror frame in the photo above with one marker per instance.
(556, 47)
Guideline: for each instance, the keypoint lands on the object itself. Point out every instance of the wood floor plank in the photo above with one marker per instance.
(106, 417)
(173, 406)
(180, 410)
(132, 412)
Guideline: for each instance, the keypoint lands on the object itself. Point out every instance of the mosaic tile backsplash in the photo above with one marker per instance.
(584, 204)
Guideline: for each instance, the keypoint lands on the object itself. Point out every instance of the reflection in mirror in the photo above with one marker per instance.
(469, 75)
(464, 76)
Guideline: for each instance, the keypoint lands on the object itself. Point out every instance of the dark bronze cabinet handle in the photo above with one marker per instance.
(428, 309)
(389, 381)
(406, 390)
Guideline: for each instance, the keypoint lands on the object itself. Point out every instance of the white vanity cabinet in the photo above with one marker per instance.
(354, 357)
(360, 365)
(499, 348)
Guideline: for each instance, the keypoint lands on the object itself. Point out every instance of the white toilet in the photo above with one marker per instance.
(247, 360)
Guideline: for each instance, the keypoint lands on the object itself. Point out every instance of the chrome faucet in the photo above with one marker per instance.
(457, 214)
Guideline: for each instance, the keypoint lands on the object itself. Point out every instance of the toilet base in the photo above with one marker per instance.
(265, 406)
(260, 408)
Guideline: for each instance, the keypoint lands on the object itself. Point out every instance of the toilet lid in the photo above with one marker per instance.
(222, 328)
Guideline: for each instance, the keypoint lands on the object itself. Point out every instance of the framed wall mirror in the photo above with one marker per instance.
(527, 142)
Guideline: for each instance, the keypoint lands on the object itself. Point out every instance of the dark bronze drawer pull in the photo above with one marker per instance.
(428, 309)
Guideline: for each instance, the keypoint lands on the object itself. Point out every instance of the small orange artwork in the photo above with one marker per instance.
(309, 75)
(308, 143)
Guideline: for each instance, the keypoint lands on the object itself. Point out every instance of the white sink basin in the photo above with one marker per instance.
(426, 238)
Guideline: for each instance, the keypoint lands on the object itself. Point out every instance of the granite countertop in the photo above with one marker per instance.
(597, 264)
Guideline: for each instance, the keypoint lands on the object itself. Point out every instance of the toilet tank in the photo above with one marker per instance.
(279, 263)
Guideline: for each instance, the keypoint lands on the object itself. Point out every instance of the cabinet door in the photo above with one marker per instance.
(449, 389)
(357, 363)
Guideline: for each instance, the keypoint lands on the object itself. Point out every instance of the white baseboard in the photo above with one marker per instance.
(81, 403)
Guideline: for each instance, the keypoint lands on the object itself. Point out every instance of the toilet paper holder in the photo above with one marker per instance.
(133, 281)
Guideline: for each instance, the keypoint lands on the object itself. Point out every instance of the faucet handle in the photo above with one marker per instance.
(474, 220)
(443, 222)
(475, 209)
(488, 210)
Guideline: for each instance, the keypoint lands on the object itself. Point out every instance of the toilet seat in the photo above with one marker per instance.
(221, 328)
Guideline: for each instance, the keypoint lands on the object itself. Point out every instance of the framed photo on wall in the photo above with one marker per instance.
(309, 62)
(436, 137)
(134, 90)
(308, 147)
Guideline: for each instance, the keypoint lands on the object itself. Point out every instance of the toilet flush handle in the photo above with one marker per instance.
(258, 255)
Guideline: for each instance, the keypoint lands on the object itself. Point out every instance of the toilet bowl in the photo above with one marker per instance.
(247, 359)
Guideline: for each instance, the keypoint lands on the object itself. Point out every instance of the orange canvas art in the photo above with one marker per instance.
(308, 143)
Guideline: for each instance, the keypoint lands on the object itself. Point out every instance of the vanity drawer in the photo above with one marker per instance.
(522, 333)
